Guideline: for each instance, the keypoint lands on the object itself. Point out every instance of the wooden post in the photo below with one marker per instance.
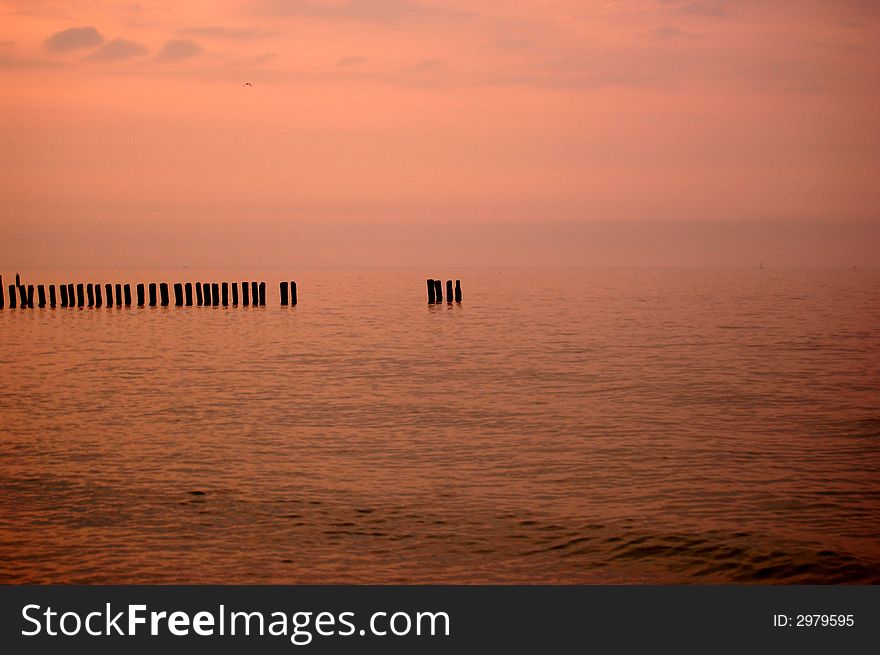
(244, 293)
(188, 289)
(63, 289)
(71, 298)
(225, 292)
(11, 296)
(431, 297)
(80, 295)
(283, 289)
(199, 294)
(215, 294)
(206, 293)
(22, 296)
(127, 289)
(90, 290)
(178, 294)
(438, 290)
(140, 294)
(234, 293)
(2, 294)
(458, 291)
(263, 293)
(448, 290)
(163, 293)
(41, 296)
(119, 295)
(52, 296)
(30, 296)
(255, 293)
(152, 294)
(292, 292)
(109, 289)
(98, 299)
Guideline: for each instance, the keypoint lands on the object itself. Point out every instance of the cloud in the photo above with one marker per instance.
(229, 33)
(351, 61)
(667, 32)
(75, 38)
(375, 11)
(118, 49)
(177, 49)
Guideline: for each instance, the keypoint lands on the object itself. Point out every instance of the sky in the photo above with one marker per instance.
(439, 132)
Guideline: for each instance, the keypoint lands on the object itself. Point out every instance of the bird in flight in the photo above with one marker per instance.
(248, 84)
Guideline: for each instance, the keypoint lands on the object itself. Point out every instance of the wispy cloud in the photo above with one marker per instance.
(177, 49)
(118, 49)
(376, 11)
(227, 33)
(351, 61)
(76, 38)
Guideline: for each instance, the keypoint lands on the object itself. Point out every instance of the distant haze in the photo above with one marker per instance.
(410, 132)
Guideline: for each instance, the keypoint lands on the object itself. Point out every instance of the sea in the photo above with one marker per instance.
(561, 426)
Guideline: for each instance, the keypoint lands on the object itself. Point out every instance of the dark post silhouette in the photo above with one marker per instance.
(140, 294)
(234, 293)
(41, 296)
(71, 298)
(152, 294)
(206, 293)
(30, 296)
(178, 294)
(163, 293)
(458, 291)
(255, 293)
(199, 294)
(108, 288)
(11, 296)
(224, 290)
(17, 280)
(80, 295)
(448, 290)
(119, 295)
(2, 294)
(63, 289)
(188, 288)
(215, 294)
(127, 289)
(431, 290)
(262, 293)
(283, 288)
(98, 299)
(90, 289)
(438, 290)
(52, 297)
(244, 293)
(292, 292)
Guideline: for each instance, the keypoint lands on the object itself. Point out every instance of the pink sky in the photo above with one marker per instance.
(670, 132)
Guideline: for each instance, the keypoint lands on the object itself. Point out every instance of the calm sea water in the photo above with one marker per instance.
(557, 426)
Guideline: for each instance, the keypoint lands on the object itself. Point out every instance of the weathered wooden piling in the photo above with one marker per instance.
(234, 286)
(255, 293)
(52, 297)
(22, 296)
(109, 290)
(152, 294)
(431, 297)
(458, 291)
(438, 290)
(244, 293)
(163, 293)
(215, 294)
(80, 295)
(127, 289)
(292, 292)
(178, 294)
(30, 296)
(225, 291)
(71, 297)
(198, 294)
(262, 293)
(11, 296)
(282, 287)
(41, 296)
(188, 291)
(140, 294)
(90, 290)
(98, 299)
(206, 293)
(119, 295)
(2, 294)
(63, 289)
(448, 290)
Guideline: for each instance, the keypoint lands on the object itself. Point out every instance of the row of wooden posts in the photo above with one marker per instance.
(435, 291)
(97, 295)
